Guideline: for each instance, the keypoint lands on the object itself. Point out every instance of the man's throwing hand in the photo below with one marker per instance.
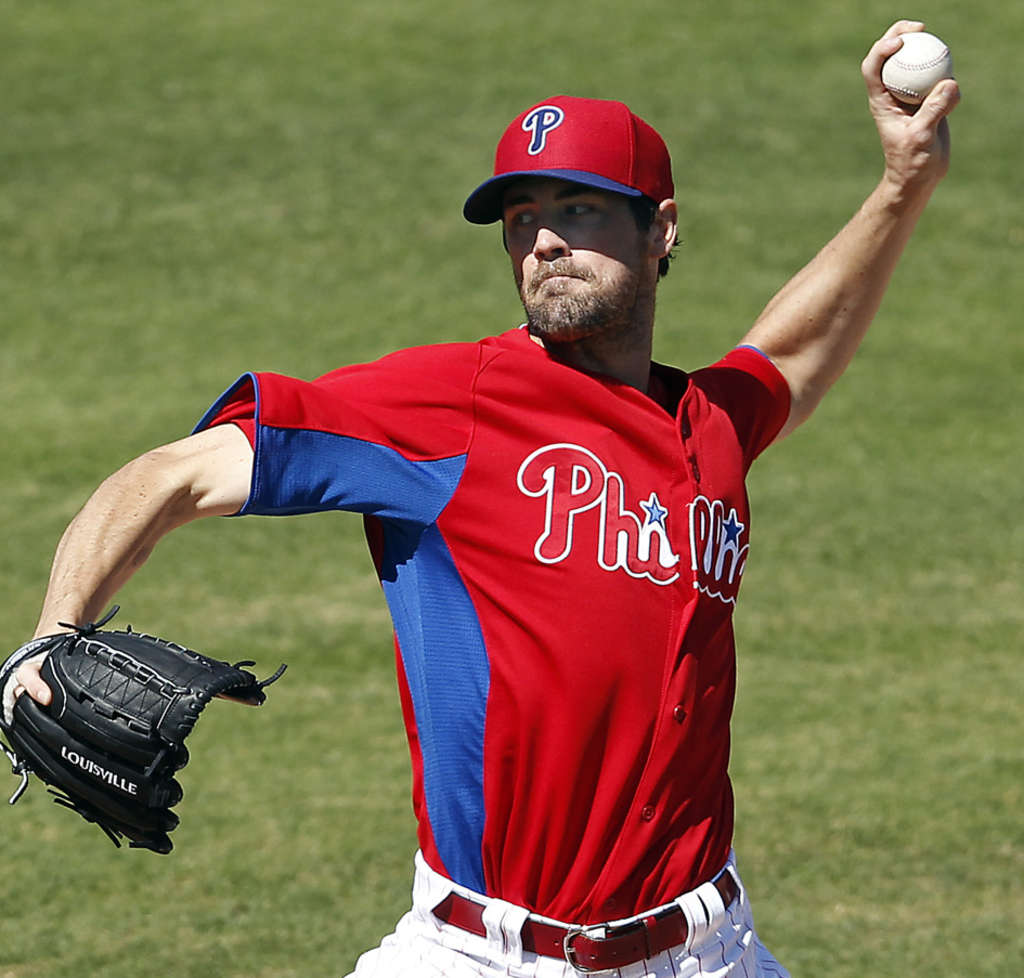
(915, 139)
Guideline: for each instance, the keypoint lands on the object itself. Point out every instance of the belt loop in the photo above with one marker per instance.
(730, 868)
(428, 888)
(696, 917)
(703, 909)
(504, 923)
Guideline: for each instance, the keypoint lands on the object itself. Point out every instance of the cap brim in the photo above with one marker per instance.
(483, 206)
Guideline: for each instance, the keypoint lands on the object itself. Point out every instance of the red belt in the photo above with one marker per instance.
(595, 947)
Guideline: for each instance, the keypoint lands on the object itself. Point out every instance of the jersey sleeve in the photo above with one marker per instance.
(751, 390)
(237, 406)
(387, 439)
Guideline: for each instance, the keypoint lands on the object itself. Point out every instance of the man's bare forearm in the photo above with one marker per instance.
(815, 323)
(117, 529)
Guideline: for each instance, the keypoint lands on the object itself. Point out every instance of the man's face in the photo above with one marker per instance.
(581, 264)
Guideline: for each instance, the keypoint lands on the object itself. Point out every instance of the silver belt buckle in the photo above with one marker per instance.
(599, 932)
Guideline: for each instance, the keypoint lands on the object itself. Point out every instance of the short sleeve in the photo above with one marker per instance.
(751, 390)
(387, 439)
(236, 406)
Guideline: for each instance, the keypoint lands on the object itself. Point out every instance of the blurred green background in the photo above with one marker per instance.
(189, 190)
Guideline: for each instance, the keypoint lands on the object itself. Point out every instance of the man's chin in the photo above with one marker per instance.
(555, 336)
(562, 329)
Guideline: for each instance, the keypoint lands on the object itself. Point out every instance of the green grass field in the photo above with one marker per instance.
(189, 190)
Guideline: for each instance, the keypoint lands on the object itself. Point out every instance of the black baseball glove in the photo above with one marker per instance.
(114, 734)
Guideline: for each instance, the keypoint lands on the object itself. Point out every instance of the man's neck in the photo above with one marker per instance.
(624, 357)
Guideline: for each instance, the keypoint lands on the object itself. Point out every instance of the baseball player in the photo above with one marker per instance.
(560, 527)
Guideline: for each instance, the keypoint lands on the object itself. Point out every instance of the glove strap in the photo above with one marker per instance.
(93, 626)
(17, 767)
(266, 682)
(274, 678)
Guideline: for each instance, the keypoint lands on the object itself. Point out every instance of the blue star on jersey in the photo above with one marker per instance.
(732, 528)
(656, 513)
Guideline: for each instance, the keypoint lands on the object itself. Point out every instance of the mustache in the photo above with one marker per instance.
(560, 266)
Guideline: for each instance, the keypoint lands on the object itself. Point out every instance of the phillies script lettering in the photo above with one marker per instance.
(98, 771)
(718, 548)
(572, 480)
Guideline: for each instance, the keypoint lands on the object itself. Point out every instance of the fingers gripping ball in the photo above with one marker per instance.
(917, 67)
(113, 737)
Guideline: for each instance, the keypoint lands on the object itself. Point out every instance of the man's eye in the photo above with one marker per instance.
(522, 218)
(580, 210)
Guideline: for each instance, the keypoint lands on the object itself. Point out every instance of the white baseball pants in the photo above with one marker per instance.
(421, 946)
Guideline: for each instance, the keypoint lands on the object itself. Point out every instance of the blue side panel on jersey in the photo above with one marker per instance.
(447, 670)
(439, 633)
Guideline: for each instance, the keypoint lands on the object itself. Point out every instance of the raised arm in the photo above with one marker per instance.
(206, 474)
(813, 326)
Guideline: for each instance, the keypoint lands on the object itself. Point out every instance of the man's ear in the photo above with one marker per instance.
(664, 229)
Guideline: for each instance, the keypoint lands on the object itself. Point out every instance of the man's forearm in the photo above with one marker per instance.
(103, 546)
(814, 324)
(117, 529)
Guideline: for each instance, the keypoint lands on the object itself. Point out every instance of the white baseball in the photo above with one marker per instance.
(913, 71)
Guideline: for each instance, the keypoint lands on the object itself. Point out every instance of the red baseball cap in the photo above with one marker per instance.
(595, 142)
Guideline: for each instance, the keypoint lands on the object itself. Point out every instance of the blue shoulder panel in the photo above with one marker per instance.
(300, 471)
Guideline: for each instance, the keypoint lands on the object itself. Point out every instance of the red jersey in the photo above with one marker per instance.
(561, 556)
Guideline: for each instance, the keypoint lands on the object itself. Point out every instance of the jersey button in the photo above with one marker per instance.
(679, 713)
(647, 813)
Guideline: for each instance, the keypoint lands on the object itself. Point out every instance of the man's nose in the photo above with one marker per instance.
(549, 245)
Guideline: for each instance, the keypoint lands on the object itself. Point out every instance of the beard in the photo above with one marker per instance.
(581, 304)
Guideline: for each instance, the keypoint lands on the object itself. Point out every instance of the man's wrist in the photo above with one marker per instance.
(902, 197)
